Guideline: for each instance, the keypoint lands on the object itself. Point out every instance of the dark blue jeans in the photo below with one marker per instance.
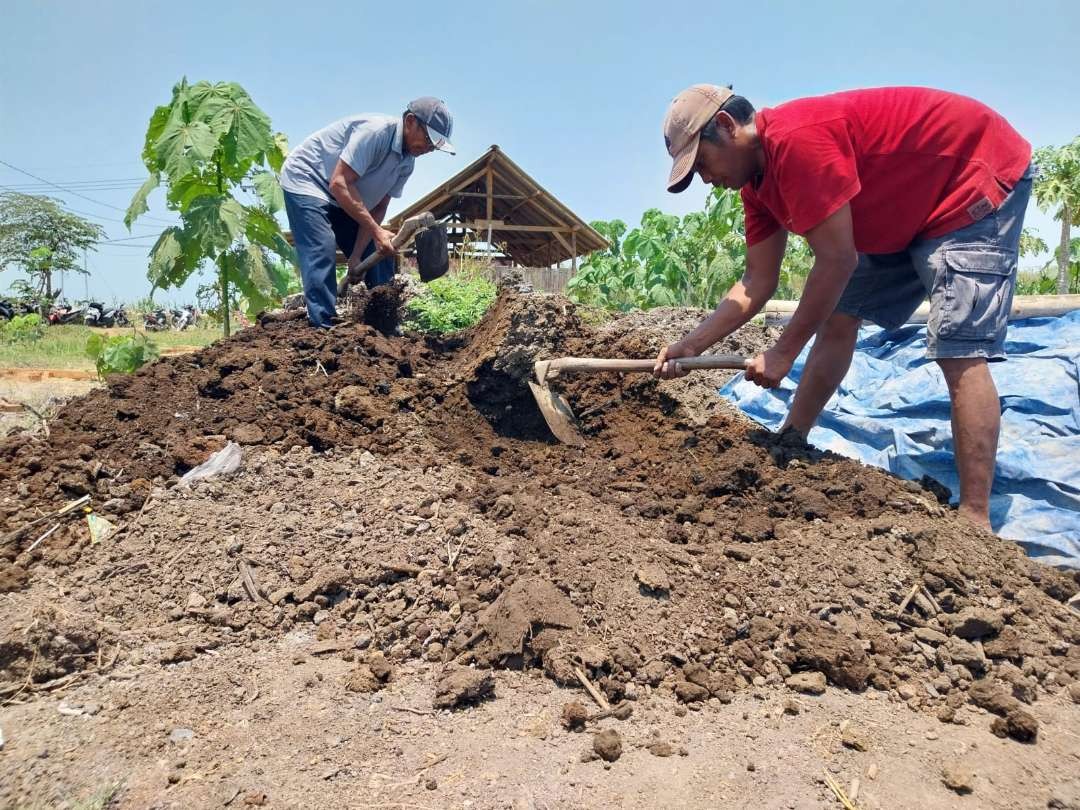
(319, 229)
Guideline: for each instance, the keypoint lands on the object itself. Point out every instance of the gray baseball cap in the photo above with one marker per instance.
(434, 115)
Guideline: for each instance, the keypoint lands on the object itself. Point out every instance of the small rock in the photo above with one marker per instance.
(607, 744)
(808, 683)
(972, 623)
(180, 735)
(963, 653)
(661, 749)
(929, 636)
(195, 601)
(653, 578)
(791, 706)
(177, 653)
(958, 776)
(1074, 692)
(690, 692)
(907, 691)
(852, 737)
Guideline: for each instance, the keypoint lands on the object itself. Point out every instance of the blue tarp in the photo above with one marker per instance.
(892, 411)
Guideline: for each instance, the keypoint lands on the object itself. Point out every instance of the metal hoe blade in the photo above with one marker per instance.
(557, 413)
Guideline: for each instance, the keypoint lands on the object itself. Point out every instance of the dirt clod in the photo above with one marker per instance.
(840, 657)
(809, 683)
(958, 776)
(1019, 724)
(574, 716)
(462, 687)
(607, 744)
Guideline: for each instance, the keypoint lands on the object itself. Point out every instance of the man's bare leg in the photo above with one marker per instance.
(976, 421)
(825, 368)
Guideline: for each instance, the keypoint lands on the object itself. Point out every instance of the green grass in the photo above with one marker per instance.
(65, 346)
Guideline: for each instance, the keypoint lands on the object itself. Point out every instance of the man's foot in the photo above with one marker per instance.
(975, 516)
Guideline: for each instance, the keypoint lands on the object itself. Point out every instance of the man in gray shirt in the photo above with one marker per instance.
(337, 185)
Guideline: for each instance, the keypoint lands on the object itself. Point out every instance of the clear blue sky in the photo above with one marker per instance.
(573, 91)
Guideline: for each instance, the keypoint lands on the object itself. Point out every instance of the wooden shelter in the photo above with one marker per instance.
(494, 207)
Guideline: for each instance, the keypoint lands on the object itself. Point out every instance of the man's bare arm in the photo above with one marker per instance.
(744, 300)
(341, 186)
(835, 257)
(363, 236)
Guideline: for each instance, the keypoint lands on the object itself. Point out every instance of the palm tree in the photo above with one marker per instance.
(1058, 186)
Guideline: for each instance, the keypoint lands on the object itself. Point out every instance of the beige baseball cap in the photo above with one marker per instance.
(689, 112)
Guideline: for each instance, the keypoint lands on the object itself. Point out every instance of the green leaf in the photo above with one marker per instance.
(269, 191)
(243, 128)
(183, 190)
(138, 204)
(183, 146)
(251, 274)
(169, 264)
(158, 121)
(263, 229)
(204, 98)
(213, 223)
(276, 155)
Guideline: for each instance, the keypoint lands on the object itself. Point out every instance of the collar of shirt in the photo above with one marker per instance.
(398, 143)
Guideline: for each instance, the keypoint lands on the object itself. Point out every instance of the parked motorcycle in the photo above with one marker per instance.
(185, 317)
(7, 309)
(156, 320)
(97, 314)
(66, 313)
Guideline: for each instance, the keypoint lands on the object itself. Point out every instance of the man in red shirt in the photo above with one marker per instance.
(901, 192)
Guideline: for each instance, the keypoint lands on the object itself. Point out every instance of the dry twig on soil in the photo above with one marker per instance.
(595, 693)
(838, 791)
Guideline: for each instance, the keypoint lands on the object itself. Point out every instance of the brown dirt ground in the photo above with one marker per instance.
(403, 520)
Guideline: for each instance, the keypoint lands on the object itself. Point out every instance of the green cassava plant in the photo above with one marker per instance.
(206, 144)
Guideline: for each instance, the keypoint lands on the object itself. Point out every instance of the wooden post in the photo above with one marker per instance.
(573, 250)
(490, 202)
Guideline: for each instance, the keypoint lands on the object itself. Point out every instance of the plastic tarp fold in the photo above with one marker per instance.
(892, 411)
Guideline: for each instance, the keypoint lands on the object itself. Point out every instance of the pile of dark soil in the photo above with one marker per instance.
(405, 496)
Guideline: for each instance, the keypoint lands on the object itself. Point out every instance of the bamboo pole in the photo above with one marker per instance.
(1023, 306)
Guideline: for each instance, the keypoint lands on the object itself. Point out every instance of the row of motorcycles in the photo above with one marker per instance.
(161, 319)
(95, 313)
(91, 313)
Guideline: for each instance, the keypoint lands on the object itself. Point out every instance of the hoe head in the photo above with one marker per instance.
(557, 412)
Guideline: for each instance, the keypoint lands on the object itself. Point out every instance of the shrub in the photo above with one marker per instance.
(450, 303)
(120, 354)
(23, 329)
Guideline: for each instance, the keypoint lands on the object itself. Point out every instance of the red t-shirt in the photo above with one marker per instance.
(913, 162)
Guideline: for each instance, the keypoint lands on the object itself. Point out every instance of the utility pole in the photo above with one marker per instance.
(86, 277)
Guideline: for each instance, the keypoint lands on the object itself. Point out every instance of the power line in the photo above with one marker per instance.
(127, 239)
(85, 213)
(81, 184)
(76, 193)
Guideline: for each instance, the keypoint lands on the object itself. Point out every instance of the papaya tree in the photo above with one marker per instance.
(1057, 186)
(209, 143)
